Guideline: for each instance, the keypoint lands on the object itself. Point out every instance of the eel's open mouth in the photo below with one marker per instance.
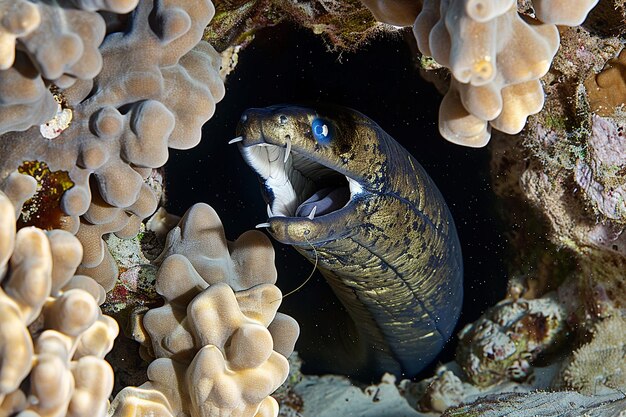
(295, 185)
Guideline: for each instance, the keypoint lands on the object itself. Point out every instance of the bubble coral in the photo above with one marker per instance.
(124, 119)
(563, 12)
(53, 336)
(220, 344)
(496, 58)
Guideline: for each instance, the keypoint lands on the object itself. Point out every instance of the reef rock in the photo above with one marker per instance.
(505, 341)
(562, 404)
(568, 164)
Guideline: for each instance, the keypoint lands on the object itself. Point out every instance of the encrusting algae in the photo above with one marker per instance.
(43, 209)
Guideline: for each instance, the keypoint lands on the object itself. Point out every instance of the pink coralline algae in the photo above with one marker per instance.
(602, 175)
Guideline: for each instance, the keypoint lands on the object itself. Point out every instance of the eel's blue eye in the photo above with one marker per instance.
(321, 131)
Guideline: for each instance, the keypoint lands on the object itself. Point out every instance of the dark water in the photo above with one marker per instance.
(286, 64)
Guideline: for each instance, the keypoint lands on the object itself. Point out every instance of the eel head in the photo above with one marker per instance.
(318, 167)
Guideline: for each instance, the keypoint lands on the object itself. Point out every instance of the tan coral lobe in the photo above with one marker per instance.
(607, 89)
(132, 401)
(127, 108)
(19, 17)
(220, 344)
(50, 363)
(496, 58)
(563, 12)
(394, 12)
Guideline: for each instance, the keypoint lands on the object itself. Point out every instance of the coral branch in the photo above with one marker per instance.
(219, 343)
(496, 58)
(53, 334)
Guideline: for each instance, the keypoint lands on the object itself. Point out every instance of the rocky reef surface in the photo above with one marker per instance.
(108, 313)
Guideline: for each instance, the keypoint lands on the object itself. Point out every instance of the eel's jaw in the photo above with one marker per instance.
(291, 179)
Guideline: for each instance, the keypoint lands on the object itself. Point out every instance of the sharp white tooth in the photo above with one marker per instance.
(355, 187)
(311, 215)
(287, 150)
(260, 225)
(237, 139)
(269, 211)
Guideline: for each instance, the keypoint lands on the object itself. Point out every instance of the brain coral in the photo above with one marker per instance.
(153, 71)
(496, 58)
(220, 344)
(53, 336)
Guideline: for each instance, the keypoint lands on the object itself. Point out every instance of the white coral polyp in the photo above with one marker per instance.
(55, 126)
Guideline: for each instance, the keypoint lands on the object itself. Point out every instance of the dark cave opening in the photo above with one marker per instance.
(286, 64)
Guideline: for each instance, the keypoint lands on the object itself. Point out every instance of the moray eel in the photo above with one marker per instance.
(342, 191)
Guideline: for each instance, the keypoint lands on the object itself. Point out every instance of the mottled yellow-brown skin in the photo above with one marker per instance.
(391, 254)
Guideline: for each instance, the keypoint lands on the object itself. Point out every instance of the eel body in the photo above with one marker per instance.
(347, 195)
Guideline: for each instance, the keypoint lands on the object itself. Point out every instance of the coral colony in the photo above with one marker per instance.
(93, 93)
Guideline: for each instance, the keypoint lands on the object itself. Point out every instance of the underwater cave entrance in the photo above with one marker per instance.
(285, 64)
